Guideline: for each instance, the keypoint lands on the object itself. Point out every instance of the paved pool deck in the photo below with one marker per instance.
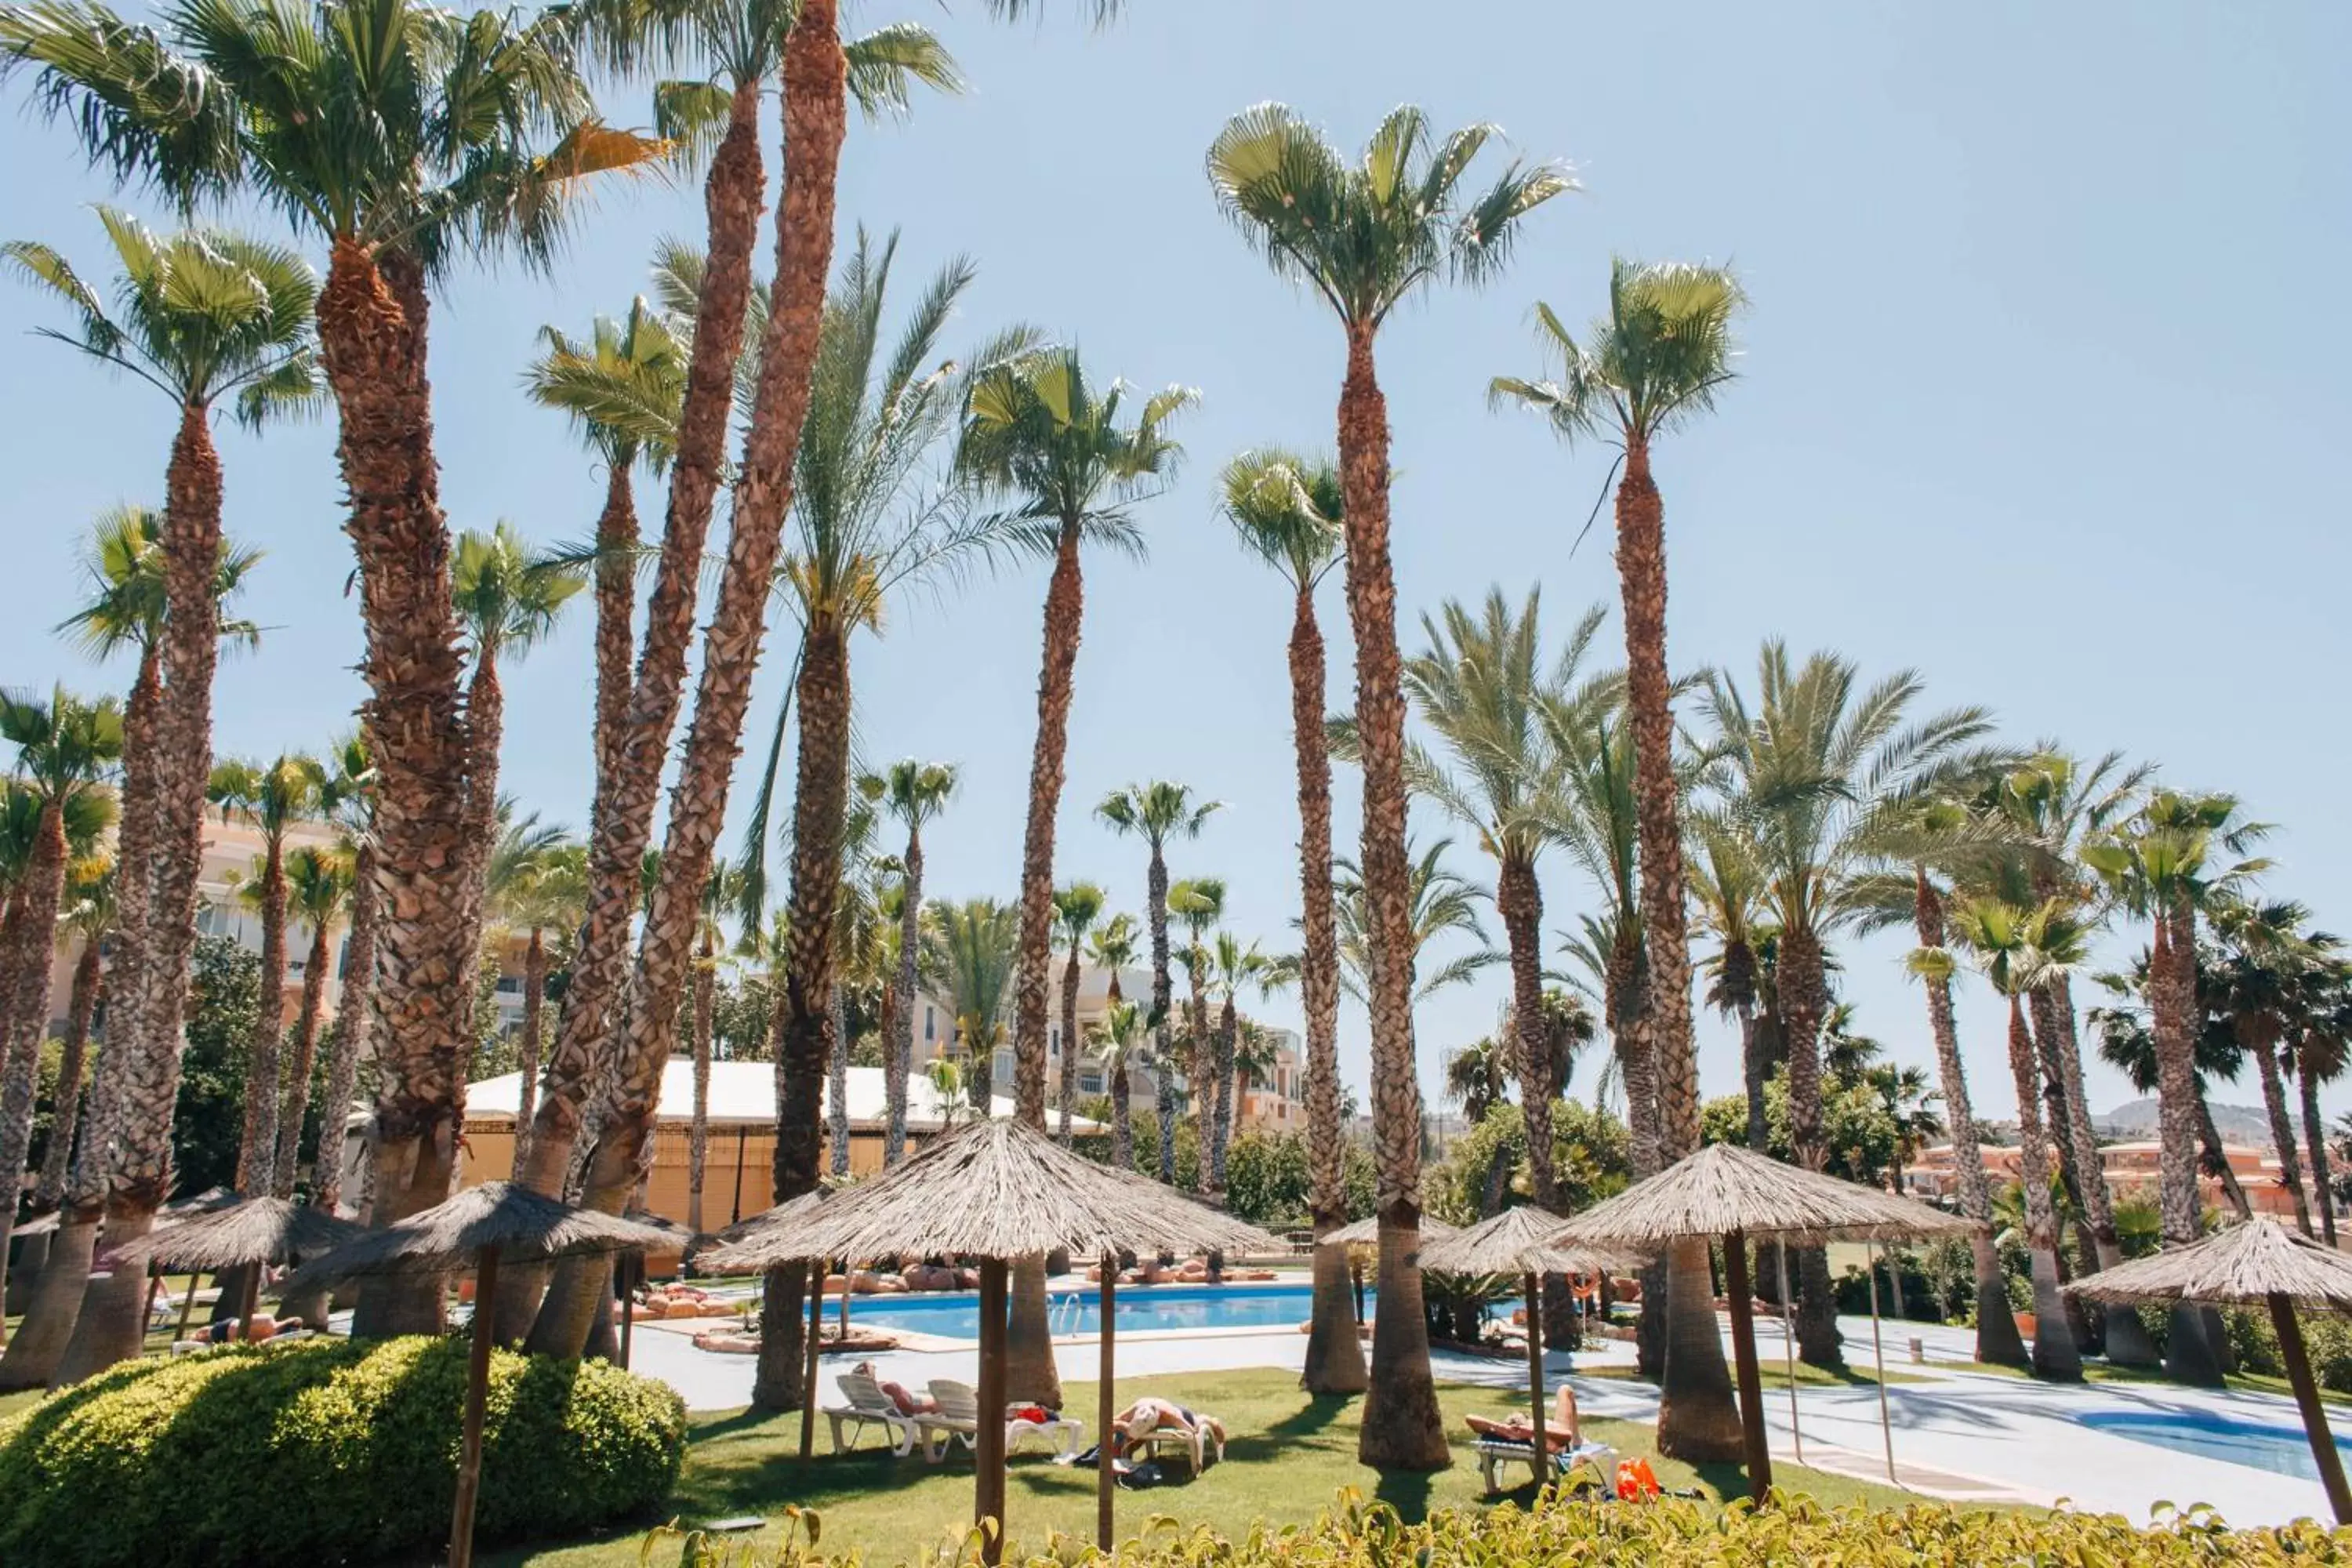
(1959, 1434)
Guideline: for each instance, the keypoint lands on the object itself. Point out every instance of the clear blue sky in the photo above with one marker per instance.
(2044, 366)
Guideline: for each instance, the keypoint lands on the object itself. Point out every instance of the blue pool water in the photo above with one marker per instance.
(1155, 1308)
(2282, 1450)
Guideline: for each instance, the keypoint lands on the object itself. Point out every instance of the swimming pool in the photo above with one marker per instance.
(2282, 1450)
(1142, 1309)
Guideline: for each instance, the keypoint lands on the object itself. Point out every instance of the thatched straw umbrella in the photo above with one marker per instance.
(171, 1214)
(2257, 1260)
(1363, 1240)
(999, 1191)
(494, 1223)
(1520, 1241)
(1733, 1193)
(247, 1235)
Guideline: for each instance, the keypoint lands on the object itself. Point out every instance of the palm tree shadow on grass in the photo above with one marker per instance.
(1407, 1492)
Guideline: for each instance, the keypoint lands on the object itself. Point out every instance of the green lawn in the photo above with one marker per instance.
(1857, 1375)
(1289, 1454)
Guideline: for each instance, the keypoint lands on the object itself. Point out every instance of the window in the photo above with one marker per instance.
(1054, 1041)
(1002, 1067)
(1091, 1083)
(930, 1024)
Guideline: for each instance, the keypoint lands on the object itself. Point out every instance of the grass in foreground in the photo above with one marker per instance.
(1289, 1453)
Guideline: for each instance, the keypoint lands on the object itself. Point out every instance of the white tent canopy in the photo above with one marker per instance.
(743, 1094)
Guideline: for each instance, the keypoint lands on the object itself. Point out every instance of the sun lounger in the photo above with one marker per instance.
(1192, 1443)
(1496, 1453)
(957, 1419)
(869, 1407)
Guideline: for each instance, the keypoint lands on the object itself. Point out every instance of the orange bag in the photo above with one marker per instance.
(1636, 1482)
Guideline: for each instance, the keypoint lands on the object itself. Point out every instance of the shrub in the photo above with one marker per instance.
(2326, 1338)
(1662, 1533)
(323, 1452)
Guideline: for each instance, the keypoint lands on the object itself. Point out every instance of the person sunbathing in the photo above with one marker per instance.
(1148, 1420)
(1562, 1431)
(898, 1393)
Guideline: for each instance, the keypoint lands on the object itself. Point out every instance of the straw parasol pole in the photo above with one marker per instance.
(1733, 1193)
(1520, 1241)
(489, 1225)
(997, 1191)
(2257, 1260)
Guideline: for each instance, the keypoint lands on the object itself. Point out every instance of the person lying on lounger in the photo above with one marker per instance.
(1562, 1431)
(909, 1403)
(1149, 1419)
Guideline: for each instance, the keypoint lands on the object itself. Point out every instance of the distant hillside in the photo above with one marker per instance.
(2238, 1123)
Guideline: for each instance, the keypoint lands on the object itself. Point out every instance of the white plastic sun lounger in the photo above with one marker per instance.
(869, 1407)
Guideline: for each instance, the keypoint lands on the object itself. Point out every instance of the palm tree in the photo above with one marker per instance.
(1076, 907)
(1660, 357)
(1199, 903)
(1159, 812)
(2160, 863)
(1039, 431)
(2323, 1049)
(1481, 687)
(2127, 1042)
(1437, 903)
(65, 748)
(348, 800)
(537, 881)
(318, 888)
(201, 316)
(2018, 949)
(273, 797)
(913, 793)
(1919, 844)
(716, 119)
(705, 1005)
(2050, 805)
(856, 936)
(506, 604)
(2266, 956)
(623, 388)
(1236, 966)
(1287, 511)
(1909, 1103)
(969, 954)
(1118, 1039)
(1367, 236)
(1815, 769)
(87, 918)
(1254, 1048)
(456, 165)
(1479, 1077)
(1729, 886)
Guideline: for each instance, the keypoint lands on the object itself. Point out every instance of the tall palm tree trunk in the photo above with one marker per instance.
(1228, 1026)
(2127, 1340)
(2054, 1353)
(1163, 1000)
(298, 1073)
(2314, 1133)
(621, 818)
(1998, 1340)
(837, 1083)
(1696, 1417)
(1201, 1069)
(486, 711)
(616, 544)
(35, 913)
(2265, 1055)
(2062, 1129)
(535, 1019)
(132, 1133)
(81, 1007)
(1069, 1084)
(1804, 996)
(256, 1155)
(697, 1133)
(372, 334)
(354, 1030)
(1402, 1427)
(1030, 1373)
(2188, 1355)
(898, 1055)
(1519, 899)
(1122, 1110)
(814, 117)
(1335, 1352)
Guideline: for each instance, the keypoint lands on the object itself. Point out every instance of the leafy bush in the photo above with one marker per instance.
(325, 1452)
(1662, 1533)
(2325, 1336)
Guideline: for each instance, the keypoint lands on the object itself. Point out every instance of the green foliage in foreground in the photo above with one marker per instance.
(325, 1452)
(1794, 1528)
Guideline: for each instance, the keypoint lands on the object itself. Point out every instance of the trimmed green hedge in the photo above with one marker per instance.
(326, 1451)
(1660, 1534)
